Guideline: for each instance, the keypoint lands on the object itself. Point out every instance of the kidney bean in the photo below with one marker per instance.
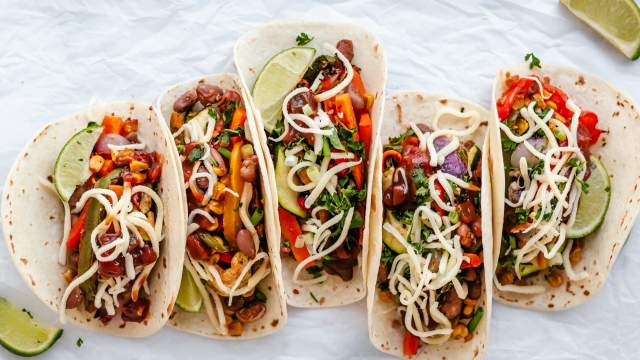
(75, 298)
(108, 269)
(451, 304)
(476, 227)
(185, 101)
(197, 250)
(467, 240)
(467, 212)
(208, 94)
(346, 48)
(245, 243)
(252, 312)
(202, 182)
(144, 256)
(475, 289)
(356, 98)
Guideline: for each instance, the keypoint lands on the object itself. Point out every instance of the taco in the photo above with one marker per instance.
(231, 285)
(317, 106)
(429, 283)
(557, 140)
(85, 216)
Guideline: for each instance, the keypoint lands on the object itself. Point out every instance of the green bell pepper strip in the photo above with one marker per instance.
(475, 320)
(95, 214)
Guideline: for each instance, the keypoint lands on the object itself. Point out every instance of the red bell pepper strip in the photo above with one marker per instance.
(77, 229)
(474, 261)
(505, 103)
(364, 129)
(410, 344)
(112, 124)
(589, 120)
(107, 167)
(225, 257)
(559, 98)
(290, 232)
(441, 195)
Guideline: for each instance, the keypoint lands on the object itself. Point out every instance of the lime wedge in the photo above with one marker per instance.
(593, 204)
(72, 165)
(278, 77)
(22, 335)
(617, 20)
(189, 298)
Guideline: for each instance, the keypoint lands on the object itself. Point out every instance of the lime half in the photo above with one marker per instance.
(189, 298)
(593, 204)
(72, 165)
(617, 20)
(278, 77)
(22, 335)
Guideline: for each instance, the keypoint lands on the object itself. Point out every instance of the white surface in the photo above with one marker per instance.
(54, 56)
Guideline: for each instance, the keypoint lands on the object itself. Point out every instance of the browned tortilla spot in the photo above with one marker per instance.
(444, 101)
(580, 80)
(275, 322)
(399, 114)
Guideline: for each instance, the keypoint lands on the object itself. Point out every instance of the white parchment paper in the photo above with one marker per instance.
(56, 55)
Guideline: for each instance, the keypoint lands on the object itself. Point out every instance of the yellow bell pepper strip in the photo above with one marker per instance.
(231, 222)
(95, 214)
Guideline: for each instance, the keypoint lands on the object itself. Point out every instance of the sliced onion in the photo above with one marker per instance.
(454, 165)
(102, 146)
(522, 151)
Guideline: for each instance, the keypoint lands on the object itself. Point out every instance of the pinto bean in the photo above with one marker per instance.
(245, 243)
(252, 312)
(202, 182)
(185, 101)
(451, 304)
(346, 48)
(395, 195)
(75, 298)
(248, 170)
(208, 94)
(467, 240)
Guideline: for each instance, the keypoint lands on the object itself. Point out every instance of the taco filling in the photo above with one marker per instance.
(319, 146)
(113, 222)
(432, 256)
(546, 143)
(226, 245)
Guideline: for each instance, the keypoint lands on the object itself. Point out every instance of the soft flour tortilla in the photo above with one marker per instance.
(419, 107)
(618, 149)
(33, 218)
(251, 53)
(276, 316)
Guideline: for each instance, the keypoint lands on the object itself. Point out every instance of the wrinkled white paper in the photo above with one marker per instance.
(56, 56)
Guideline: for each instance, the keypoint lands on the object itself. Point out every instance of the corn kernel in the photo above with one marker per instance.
(68, 275)
(470, 302)
(555, 279)
(216, 207)
(467, 310)
(218, 171)
(235, 328)
(460, 331)
(552, 105)
(218, 190)
(177, 120)
(138, 166)
(95, 163)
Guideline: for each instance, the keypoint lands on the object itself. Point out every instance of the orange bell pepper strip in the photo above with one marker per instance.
(290, 231)
(238, 119)
(118, 189)
(231, 222)
(344, 111)
(357, 83)
(358, 175)
(364, 129)
(410, 344)
(112, 124)
(106, 167)
(77, 229)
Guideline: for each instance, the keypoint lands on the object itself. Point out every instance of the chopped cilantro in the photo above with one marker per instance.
(387, 255)
(313, 297)
(260, 295)
(28, 313)
(584, 185)
(196, 154)
(508, 145)
(303, 39)
(79, 342)
(522, 215)
(533, 60)
(398, 140)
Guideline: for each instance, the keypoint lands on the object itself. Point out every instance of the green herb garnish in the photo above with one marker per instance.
(303, 39)
(533, 60)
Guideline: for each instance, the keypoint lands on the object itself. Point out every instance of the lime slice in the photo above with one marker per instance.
(278, 77)
(22, 335)
(72, 165)
(189, 298)
(617, 20)
(593, 204)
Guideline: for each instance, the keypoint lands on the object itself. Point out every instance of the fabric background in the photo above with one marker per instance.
(57, 55)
